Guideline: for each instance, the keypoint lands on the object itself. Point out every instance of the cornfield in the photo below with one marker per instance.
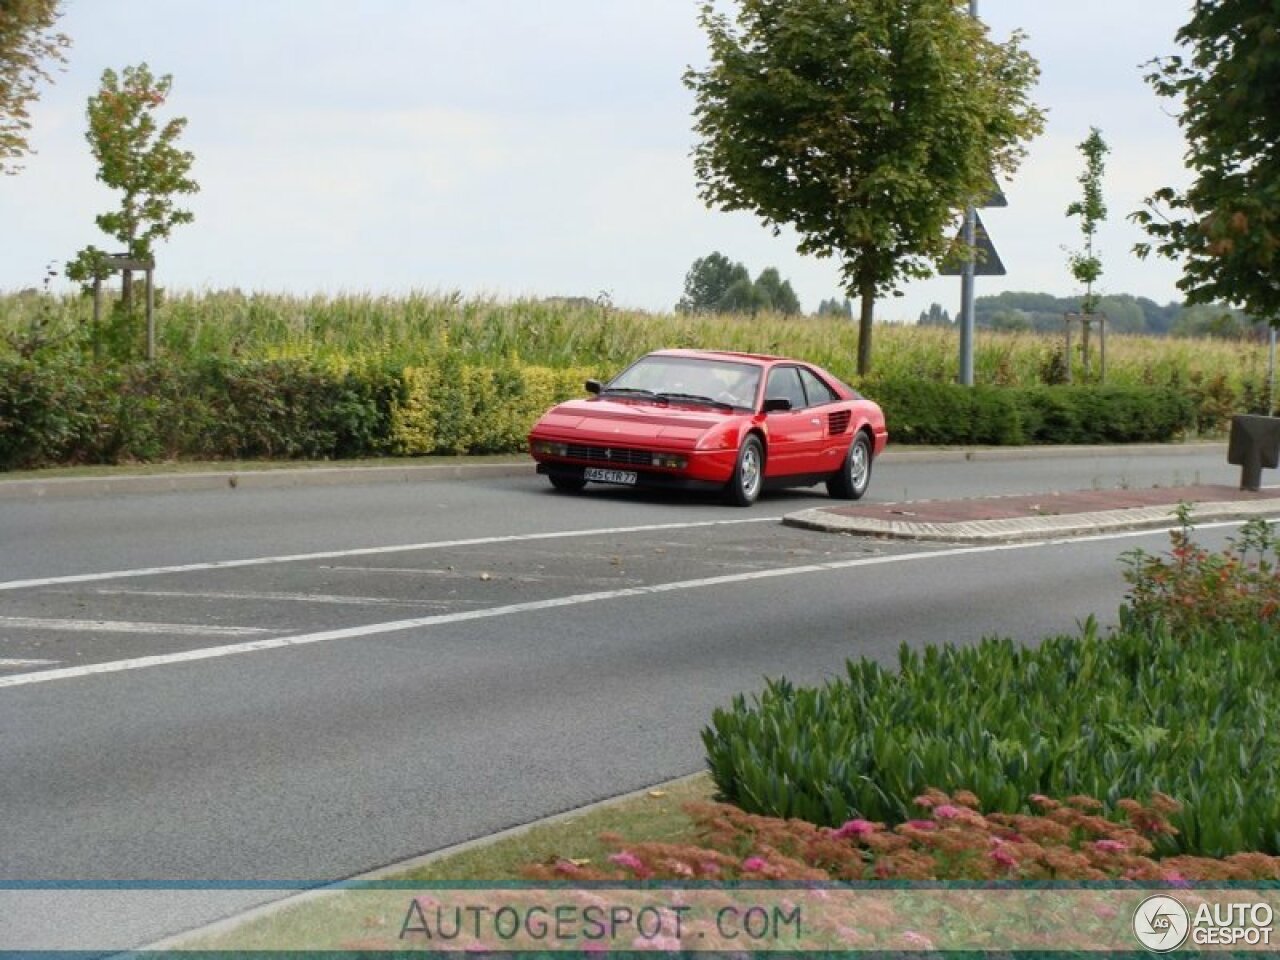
(352, 331)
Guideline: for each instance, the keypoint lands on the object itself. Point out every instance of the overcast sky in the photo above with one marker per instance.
(511, 148)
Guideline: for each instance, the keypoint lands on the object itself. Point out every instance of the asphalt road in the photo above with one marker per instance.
(336, 678)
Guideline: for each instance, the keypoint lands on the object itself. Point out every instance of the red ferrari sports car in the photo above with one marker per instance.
(709, 420)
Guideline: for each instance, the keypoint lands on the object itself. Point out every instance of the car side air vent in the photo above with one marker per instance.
(838, 422)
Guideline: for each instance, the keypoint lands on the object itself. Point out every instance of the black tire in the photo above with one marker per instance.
(566, 484)
(855, 473)
(748, 474)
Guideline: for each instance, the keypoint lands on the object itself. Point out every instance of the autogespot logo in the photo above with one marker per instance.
(1161, 923)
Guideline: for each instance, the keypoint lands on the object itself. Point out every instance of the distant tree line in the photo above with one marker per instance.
(1017, 310)
(716, 284)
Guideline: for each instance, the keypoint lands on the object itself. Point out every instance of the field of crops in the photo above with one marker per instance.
(360, 330)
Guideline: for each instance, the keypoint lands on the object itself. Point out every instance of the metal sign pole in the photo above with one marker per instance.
(966, 280)
(966, 303)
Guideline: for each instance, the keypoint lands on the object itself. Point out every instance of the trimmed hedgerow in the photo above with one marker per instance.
(922, 411)
(58, 410)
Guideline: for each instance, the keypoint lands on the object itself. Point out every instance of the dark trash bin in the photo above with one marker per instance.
(1254, 443)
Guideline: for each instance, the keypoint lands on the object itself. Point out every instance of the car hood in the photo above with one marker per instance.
(614, 421)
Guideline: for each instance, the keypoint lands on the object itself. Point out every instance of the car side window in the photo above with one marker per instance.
(785, 382)
(818, 392)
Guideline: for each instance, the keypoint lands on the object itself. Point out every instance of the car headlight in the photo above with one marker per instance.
(547, 448)
(670, 461)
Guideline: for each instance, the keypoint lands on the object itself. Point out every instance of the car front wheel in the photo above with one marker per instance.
(748, 474)
(855, 476)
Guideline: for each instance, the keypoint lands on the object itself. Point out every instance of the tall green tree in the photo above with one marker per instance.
(28, 43)
(707, 282)
(139, 157)
(1225, 227)
(778, 293)
(866, 125)
(1086, 265)
(835, 307)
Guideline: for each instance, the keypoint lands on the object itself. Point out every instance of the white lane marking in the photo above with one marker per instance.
(127, 626)
(268, 596)
(12, 663)
(394, 626)
(370, 552)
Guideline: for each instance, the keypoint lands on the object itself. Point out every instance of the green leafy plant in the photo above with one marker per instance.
(1192, 588)
(1108, 717)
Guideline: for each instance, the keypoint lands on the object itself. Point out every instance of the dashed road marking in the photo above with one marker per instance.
(369, 552)
(12, 663)
(128, 626)
(395, 626)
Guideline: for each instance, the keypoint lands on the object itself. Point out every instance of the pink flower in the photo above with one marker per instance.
(1110, 846)
(854, 828)
(922, 824)
(917, 940)
(947, 811)
(626, 859)
(1004, 858)
(755, 864)
(709, 867)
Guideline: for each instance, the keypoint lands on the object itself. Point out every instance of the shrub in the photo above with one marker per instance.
(1192, 716)
(946, 839)
(1192, 588)
(46, 413)
(921, 411)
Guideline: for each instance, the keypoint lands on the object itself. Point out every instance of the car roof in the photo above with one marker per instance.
(759, 358)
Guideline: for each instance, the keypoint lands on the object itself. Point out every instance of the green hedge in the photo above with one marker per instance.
(1107, 717)
(60, 411)
(920, 411)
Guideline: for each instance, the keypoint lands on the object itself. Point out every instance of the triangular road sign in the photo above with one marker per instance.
(996, 197)
(987, 262)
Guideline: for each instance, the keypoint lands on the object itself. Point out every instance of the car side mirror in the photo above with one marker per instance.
(776, 403)
(594, 386)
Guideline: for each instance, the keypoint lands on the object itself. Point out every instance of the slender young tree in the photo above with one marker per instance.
(866, 125)
(1086, 265)
(139, 157)
(28, 44)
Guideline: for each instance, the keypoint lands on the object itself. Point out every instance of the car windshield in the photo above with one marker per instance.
(691, 380)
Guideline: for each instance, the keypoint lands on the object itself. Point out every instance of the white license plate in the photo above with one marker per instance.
(610, 476)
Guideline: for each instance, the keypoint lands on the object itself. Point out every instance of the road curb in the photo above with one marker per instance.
(284, 476)
(1027, 528)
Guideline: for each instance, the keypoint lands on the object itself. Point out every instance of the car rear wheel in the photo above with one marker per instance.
(855, 476)
(748, 474)
(567, 484)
